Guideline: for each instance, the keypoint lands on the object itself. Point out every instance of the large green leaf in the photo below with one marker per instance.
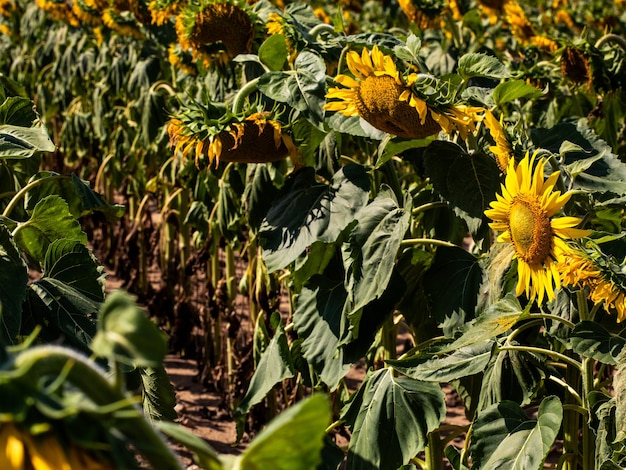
(370, 250)
(491, 426)
(511, 90)
(481, 65)
(273, 52)
(307, 211)
(590, 339)
(275, 366)
(320, 319)
(50, 220)
(304, 88)
(512, 375)
(390, 418)
(66, 312)
(126, 334)
(604, 171)
(496, 319)
(527, 446)
(159, 397)
(13, 286)
(468, 360)
(468, 182)
(294, 439)
(452, 284)
(354, 125)
(17, 111)
(71, 262)
(259, 193)
(23, 142)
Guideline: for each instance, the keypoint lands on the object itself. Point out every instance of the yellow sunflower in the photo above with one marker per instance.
(381, 96)
(604, 284)
(524, 213)
(20, 450)
(502, 150)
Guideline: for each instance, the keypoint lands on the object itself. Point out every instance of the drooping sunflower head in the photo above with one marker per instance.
(502, 148)
(162, 11)
(22, 450)
(207, 136)
(59, 10)
(122, 22)
(181, 60)
(515, 16)
(378, 94)
(598, 275)
(575, 65)
(214, 29)
(425, 14)
(492, 8)
(89, 11)
(525, 215)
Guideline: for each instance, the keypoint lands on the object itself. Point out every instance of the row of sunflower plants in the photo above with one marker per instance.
(456, 175)
(82, 379)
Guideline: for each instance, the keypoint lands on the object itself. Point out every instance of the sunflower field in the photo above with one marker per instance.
(431, 192)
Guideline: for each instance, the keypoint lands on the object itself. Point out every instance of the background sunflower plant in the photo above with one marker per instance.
(485, 253)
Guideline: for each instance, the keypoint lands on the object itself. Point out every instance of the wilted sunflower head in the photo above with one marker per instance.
(515, 16)
(215, 28)
(378, 94)
(21, 450)
(425, 14)
(162, 10)
(575, 65)
(61, 11)
(598, 275)
(525, 215)
(121, 22)
(205, 134)
(181, 60)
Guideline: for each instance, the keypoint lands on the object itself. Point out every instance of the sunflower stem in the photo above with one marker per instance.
(426, 241)
(320, 28)
(547, 352)
(614, 38)
(243, 93)
(22, 192)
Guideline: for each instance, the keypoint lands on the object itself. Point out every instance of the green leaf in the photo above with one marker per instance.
(592, 340)
(512, 90)
(50, 220)
(390, 418)
(23, 142)
(481, 65)
(13, 287)
(304, 89)
(512, 375)
(204, 455)
(294, 439)
(17, 111)
(275, 366)
(468, 360)
(491, 426)
(468, 182)
(452, 284)
(603, 173)
(159, 397)
(273, 52)
(354, 125)
(126, 334)
(390, 147)
(72, 263)
(370, 251)
(329, 345)
(259, 194)
(66, 312)
(307, 211)
(496, 319)
(526, 448)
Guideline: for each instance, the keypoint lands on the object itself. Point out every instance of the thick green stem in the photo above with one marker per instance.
(243, 93)
(611, 38)
(547, 352)
(434, 452)
(571, 421)
(22, 192)
(50, 361)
